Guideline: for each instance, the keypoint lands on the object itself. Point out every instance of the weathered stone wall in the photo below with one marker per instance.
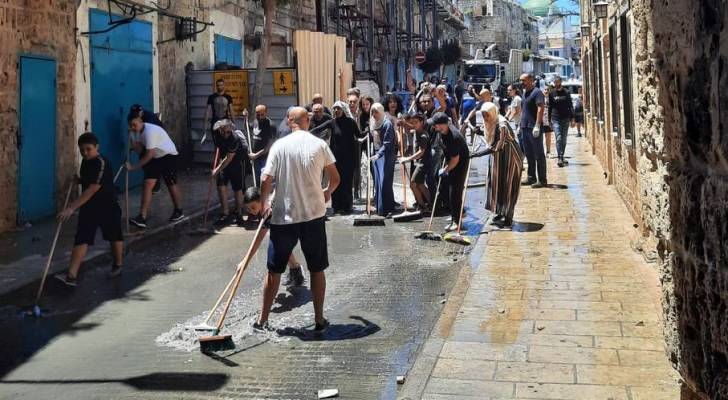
(42, 28)
(690, 59)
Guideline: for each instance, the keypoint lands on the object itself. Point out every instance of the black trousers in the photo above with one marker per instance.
(457, 186)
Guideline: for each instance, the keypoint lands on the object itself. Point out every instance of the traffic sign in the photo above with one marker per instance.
(419, 57)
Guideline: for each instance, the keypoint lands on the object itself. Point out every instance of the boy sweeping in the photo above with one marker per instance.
(99, 209)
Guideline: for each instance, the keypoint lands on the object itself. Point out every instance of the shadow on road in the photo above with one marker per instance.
(334, 332)
(159, 381)
(297, 297)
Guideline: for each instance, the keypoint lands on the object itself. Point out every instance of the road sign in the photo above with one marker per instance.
(420, 57)
(283, 83)
(236, 85)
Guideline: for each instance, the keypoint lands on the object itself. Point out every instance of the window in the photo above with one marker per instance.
(626, 61)
(488, 8)
(600, 79)
(587, 80)
(613, 79)
(228, 51)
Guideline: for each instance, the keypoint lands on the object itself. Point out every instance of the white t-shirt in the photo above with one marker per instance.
(296, 162)
(516, 107)
(154, 137)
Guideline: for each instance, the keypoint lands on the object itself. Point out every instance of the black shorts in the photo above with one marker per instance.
(90, 219)
(420, 173)
(232, 174)
(311, 234)
(163, 167)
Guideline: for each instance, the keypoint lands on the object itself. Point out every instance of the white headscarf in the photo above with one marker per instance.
(492, 111)
(344, 107)
(379, 109)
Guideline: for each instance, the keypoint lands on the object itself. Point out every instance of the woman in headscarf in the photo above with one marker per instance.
(344, 146)
(506, 166)
(383, 161)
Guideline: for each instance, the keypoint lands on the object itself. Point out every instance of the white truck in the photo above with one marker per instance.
(483, 69)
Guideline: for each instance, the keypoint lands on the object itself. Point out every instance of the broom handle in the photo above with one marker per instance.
(222, 295)
(434, 203)
(401, 153)
(53, 247)
(465, 187)
(209, 187)
(126, 188)
(250, 146)
(414, 101)
(369, 172)
(242, 266)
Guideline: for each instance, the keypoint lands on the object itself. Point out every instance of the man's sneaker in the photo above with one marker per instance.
(240, 220)
(222, 219)
(538, 185)
(295, 277)
(138, 221)
(452, 227)
(262, 328)
(177, 215)
(528, 182)
(560, 163)
(115, 271)
(67, 280)
(321, 327)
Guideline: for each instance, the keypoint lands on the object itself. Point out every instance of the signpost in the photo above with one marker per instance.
(283, 83)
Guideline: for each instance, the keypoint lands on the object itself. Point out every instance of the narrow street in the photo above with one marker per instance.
(130, 339)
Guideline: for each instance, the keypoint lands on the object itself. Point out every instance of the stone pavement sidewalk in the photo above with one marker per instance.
(23, 253)
(559, 308)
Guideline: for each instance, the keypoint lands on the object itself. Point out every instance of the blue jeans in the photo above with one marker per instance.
(533, 147)
(561, 128)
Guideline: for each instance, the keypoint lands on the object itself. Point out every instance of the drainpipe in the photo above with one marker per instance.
(434, 23)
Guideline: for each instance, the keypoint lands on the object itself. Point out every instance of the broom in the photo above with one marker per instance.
(216, 341)
(405, 216)
(429, 234)
(457, 237)
(368, 220)
(36, 311)
(204, 230)
(250, 146)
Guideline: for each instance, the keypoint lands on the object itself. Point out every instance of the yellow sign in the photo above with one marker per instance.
(283, 83)
(236, 85)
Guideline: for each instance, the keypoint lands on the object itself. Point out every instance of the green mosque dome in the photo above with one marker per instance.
(539, 8)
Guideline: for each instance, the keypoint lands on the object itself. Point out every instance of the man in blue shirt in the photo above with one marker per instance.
(531, 118)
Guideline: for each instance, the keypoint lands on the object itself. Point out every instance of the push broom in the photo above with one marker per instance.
(429, 234)
(457, 237)
(368, 220)
(204, 230)
(36, 311)
(405, 216)
(216, 341)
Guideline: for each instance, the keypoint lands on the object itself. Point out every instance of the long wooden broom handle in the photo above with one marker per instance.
(434, 203)
(250, 147)
(465, 187)
(209, 187)
(53, 246)
(242, 266)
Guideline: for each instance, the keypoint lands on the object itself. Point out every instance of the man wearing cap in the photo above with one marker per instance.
(234, 148)
(456, 153)
(422, 159)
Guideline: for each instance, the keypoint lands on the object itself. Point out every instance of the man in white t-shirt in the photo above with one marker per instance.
(158, 160)
(295, 165)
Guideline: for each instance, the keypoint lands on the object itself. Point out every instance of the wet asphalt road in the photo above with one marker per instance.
(126, 338)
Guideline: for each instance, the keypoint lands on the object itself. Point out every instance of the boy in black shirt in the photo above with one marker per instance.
(99, 209)
(422, 160)
(234, 150)
(457, 156)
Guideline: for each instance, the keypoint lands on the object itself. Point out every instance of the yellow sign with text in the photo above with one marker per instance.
(283, 83)
(236, 85)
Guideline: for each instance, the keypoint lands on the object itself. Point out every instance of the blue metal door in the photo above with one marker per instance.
(121, 75)
(37, 139)
(228, 50)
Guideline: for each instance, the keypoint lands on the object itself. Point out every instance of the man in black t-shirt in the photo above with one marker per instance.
(263, 137)
(457, 156)
(219, 106)
(99, 209)
(234, 147)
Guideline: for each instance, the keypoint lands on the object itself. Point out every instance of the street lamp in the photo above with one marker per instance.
(585, 30)
(600, 9)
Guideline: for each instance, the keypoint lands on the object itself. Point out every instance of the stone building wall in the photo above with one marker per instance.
(509, 26)
(681, 192)
(41, 28)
